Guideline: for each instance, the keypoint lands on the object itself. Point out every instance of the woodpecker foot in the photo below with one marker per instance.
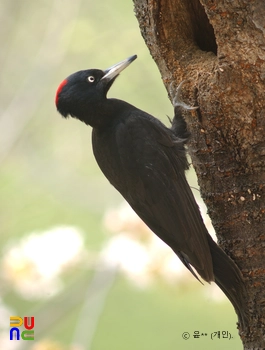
(176, 97)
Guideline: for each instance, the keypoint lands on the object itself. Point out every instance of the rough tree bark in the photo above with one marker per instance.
(218, 48)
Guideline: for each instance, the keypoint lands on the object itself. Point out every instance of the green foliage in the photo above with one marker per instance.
(156, 319)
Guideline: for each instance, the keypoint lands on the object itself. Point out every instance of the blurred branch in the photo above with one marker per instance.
(92, 292)
(27, 99)
(94, 302)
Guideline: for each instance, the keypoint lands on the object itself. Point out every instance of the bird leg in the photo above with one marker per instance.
(176, 100)
(178, 124)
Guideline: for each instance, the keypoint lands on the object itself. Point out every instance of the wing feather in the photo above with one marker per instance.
(158, 191)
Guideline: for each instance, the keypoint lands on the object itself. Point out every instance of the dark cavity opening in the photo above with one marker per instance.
(202, 29)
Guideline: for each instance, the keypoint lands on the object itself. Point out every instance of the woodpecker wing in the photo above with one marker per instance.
(147, 166)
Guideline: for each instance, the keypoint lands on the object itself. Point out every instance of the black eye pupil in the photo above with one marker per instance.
(91, 79)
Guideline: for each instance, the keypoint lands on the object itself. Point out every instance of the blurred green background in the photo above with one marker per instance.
(49, 181)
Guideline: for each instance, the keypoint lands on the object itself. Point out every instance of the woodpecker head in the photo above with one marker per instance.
(83, 92)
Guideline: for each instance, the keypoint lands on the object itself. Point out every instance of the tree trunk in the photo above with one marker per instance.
(218, 48)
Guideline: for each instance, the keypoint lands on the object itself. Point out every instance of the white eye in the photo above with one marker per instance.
(91, 79)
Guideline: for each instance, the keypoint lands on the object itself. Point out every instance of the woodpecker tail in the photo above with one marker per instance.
(228, 277)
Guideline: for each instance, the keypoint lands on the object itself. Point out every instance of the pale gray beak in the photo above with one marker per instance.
(113, 71)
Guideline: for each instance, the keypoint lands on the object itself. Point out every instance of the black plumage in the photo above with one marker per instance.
(146, 162)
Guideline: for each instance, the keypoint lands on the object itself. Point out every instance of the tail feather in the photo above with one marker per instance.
(229, 279)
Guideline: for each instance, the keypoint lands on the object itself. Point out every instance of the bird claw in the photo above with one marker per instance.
(176, 97)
